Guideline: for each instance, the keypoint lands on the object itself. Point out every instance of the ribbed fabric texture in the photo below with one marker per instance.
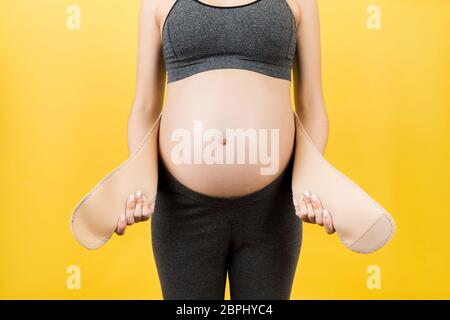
(259, 36)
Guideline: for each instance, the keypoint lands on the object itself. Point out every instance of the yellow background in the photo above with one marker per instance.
(65, 97)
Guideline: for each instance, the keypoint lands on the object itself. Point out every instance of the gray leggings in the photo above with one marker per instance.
(197, 238)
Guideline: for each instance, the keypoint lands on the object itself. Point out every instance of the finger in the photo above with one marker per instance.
(152, 208)
(138, 208)
(145, 209)
(296, 206)
(308, 201)
(301, 209)
(121, 225)
(318, 209)
(296, 201)
(148, 209)
(328, 222)
(131, 204)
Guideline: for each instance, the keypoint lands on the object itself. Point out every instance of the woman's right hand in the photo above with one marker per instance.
(138, 209)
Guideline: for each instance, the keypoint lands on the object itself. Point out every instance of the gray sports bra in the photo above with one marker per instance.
(259, 36)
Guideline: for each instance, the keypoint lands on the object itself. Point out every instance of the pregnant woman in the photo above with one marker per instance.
(226, 142)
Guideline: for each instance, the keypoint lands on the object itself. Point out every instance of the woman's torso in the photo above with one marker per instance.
(227, 127)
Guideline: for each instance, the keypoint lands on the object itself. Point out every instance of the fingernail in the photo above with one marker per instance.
(325, 213)
(138, 194)
(131, 198)
(307, 193)
(122, 217)
(314, 197)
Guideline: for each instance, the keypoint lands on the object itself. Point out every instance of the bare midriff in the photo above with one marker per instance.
(227, 132)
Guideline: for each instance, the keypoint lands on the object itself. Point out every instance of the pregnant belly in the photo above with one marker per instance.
(227, 132)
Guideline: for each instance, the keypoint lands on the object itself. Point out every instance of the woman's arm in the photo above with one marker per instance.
(150, 76)
(309, 104)
(147, 105)
(308, 98)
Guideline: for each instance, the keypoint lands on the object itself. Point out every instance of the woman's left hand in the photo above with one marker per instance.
(309, 208)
